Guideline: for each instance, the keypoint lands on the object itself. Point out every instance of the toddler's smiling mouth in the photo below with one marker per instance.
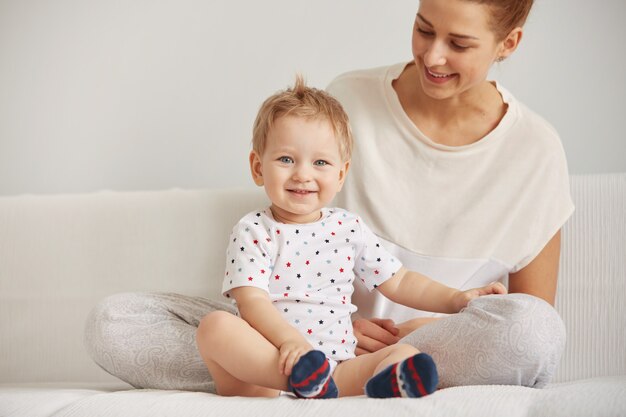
(299, 191)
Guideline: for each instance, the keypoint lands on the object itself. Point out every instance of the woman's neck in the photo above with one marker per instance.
(456, 121)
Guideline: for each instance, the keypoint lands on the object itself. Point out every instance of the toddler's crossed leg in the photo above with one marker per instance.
(248, 366)
(395, 371)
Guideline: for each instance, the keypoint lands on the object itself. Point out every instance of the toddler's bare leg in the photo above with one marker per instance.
(352, 375)
(241, 361)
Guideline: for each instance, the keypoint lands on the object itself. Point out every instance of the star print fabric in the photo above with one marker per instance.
(308, 271)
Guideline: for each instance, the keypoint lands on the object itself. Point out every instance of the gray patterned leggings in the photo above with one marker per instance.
(148, 341)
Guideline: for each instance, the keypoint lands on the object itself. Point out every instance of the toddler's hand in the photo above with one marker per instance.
(464, 297)
(289, 353)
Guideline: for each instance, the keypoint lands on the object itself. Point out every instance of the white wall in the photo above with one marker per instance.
(153, 94)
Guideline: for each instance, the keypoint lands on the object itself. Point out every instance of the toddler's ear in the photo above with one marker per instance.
(256, 168)
(343, 173)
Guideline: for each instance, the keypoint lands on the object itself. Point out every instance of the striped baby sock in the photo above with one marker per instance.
(310, 377)
(413, 377)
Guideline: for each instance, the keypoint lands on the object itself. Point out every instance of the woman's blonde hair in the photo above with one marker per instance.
(506, 15)
(306, 102)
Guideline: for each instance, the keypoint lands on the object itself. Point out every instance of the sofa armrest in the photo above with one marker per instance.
(592, 283)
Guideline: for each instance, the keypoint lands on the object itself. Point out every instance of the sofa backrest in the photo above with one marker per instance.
(60, 255)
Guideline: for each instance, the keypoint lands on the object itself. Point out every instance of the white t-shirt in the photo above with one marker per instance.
(309, 271)
(465, 216)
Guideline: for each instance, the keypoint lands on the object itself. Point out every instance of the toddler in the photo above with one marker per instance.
(291, 269)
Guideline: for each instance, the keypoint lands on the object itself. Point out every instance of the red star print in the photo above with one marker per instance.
(278, 277)
(307, 262)
(349, 258)
(340, 269)
(339, 221)
(277, 231)
(249, 278)
(256, 242)
(288, 264)
(262, 271)
(332, 233)
(376, 271)
(343, 340)
(286, 294)
(309, 331)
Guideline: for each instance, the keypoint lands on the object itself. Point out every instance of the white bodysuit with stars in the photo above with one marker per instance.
(308, 271)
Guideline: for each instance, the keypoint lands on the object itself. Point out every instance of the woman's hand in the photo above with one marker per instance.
(289, 354)
(410, 326)
(462, 298)
(374, 334)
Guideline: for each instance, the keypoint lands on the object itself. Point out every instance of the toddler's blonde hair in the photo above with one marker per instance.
(306, 102)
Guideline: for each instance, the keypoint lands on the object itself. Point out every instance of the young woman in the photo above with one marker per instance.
(465, 184)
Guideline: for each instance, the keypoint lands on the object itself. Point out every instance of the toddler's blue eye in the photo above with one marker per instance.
(285, 159)
(320, 163)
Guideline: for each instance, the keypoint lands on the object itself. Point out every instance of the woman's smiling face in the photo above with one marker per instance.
(453, 46)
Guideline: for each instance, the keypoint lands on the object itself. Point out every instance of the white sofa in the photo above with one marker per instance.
(61, 254)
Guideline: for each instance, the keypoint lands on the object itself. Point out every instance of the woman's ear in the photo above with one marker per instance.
(256, 168)
(510, 43)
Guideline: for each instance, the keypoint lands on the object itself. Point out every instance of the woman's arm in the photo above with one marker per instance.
(539, 277)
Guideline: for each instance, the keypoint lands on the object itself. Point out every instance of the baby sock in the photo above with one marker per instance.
(413, 377)
(310, 377)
